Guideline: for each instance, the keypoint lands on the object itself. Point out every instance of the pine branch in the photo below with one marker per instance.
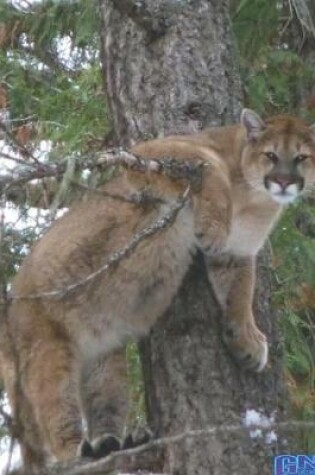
(50, 60)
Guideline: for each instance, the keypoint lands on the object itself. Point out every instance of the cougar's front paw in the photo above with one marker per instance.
(213, 241)
(247, 344)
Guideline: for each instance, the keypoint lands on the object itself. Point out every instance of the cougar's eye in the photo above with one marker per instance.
(300, 158)
(272, 157)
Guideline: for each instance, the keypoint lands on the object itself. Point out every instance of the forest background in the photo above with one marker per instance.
(53, 110)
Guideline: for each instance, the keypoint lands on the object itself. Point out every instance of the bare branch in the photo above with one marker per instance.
(6, 417)
(14, 159)
(48, 58)
(131, 459)
(113, 157)
(161, 223)
(15, 142)
(19, 176)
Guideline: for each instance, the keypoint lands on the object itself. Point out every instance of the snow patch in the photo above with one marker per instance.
(256, 421)
(255, 434)
(9, 457)
(271, 437)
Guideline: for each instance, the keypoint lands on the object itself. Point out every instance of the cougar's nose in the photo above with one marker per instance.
(283, 181)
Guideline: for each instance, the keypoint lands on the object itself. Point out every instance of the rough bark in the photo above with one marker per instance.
(174, 82)
(178, 78)
(193, 382)
(300, 35)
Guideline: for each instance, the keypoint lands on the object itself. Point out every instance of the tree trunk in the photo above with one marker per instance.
(170, 67)
(300, 36)
(173, 72)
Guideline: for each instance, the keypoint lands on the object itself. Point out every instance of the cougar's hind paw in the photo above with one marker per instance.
(104, 445)
(100, 447)
(85, 449)
(134, 440)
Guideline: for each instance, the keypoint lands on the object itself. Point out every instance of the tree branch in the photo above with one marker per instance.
(136, 458)
(49, 59)
(15, 142)
(113, 157)
(159, 224)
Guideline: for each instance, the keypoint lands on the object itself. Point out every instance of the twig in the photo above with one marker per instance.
(161, 223)
(6, 417)
(129, 458)
(15, 159)
(23, 175)
(17, 143)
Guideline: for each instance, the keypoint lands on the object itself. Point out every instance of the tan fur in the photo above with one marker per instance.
(64, 344)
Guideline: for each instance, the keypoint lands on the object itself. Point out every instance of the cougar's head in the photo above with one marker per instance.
(279, 155)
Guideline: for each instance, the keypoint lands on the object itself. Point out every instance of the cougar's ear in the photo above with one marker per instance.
(253, 124)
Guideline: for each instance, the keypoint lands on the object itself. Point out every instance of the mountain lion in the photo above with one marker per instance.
(67, 344)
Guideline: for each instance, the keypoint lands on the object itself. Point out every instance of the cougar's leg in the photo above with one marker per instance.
(105, 397)
(233, 280)
(50, 381)
(26, 429)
